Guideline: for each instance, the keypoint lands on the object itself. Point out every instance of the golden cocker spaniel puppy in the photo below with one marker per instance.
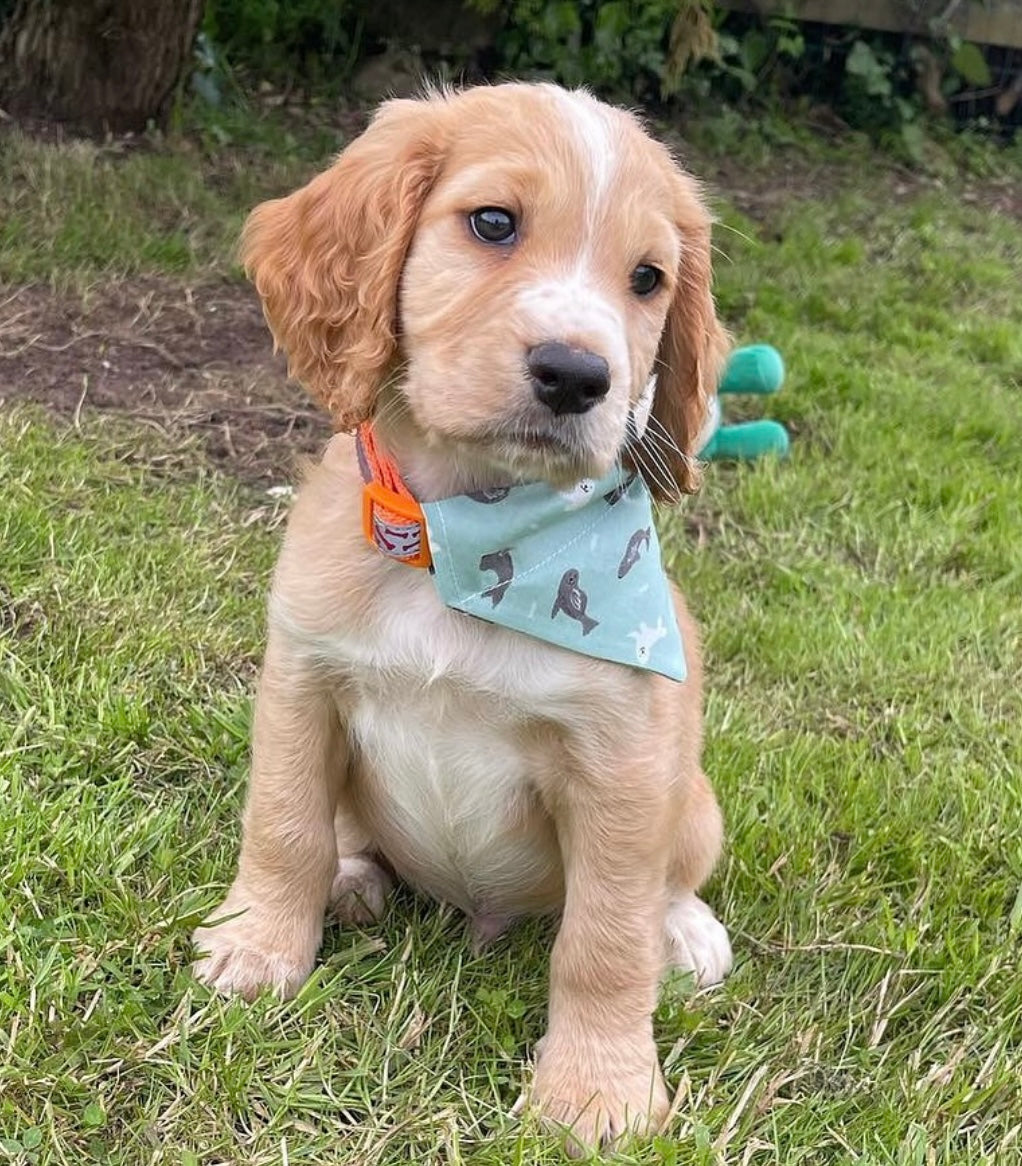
(506, 292)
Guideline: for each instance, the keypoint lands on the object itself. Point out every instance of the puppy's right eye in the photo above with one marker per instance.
(493, 224)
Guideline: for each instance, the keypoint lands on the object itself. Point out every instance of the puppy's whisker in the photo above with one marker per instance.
(649, 473)
(656, 438)
(734, 231)
(393, 408)
(664, 438)
(663, 484)
(663, 470)
(394, 400)
(662, 443)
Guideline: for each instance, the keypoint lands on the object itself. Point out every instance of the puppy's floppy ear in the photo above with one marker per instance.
(327, 259)
(693, 346)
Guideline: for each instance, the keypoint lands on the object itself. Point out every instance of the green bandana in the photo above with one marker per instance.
(579, 568)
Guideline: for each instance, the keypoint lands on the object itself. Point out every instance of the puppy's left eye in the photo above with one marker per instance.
(645, 279)
(493, 224)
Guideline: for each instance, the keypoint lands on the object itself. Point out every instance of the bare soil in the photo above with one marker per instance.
(187, 359)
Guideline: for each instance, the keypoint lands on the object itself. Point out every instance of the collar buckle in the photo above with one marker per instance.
(395, 525)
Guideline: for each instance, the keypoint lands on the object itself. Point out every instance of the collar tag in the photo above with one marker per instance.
(392, 519)
(394, 525)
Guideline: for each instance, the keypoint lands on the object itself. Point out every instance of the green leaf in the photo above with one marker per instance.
(727, 45)
(94, 1115)
(968, 62)
(755, 49)
(32, 1137)
(612, 20)
(1015, 918)
(791, 45)
(863, 62)
(914, 140)
(561, 21)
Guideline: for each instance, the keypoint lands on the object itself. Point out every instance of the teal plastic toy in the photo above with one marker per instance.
(757, 369)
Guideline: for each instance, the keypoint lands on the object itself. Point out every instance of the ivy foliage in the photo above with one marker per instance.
(313, 44)
(687, 50)
(657, 52)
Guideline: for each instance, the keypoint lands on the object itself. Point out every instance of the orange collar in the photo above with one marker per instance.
(392, 519)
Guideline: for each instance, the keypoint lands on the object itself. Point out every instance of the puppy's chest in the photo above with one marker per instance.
(440, 709)
(417, 649)
(447, 794)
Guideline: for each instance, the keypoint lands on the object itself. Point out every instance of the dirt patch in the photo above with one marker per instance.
(19, 617)
(187, 359)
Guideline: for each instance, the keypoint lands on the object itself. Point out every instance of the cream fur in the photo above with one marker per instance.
(494, 771)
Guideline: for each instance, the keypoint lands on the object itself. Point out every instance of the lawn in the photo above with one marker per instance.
(861, 606)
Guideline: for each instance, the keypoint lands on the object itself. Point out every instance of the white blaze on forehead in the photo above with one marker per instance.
(566, 302)
(566, 305)
(592, 128)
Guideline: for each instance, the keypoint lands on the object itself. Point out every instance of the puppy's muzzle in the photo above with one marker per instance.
(567, 380)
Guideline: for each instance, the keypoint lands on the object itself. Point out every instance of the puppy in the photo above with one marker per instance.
(490, 278)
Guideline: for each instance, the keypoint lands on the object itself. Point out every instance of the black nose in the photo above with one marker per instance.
(567, 380)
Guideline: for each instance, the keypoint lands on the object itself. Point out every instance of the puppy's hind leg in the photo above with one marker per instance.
(694, 938)
(268, 929)
(358, 893)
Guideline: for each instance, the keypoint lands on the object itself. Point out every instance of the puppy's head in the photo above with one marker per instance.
(517, 262)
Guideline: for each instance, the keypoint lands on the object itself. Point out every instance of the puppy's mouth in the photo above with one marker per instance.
(526, 443)
(557, 453)
(554, 444)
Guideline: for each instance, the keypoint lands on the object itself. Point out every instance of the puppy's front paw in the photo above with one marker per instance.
(359, 891)
(243, 949)
(697, 941)
(596, 1094)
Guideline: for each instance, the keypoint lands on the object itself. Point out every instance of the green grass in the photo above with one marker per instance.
(863, 624)
(85, 210)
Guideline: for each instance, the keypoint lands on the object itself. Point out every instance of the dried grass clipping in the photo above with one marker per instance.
(693, 39)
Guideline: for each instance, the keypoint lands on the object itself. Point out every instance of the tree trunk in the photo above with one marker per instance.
(97, 65)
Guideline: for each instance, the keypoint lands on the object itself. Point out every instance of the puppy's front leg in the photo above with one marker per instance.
(268, 929)
(597, 1071)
